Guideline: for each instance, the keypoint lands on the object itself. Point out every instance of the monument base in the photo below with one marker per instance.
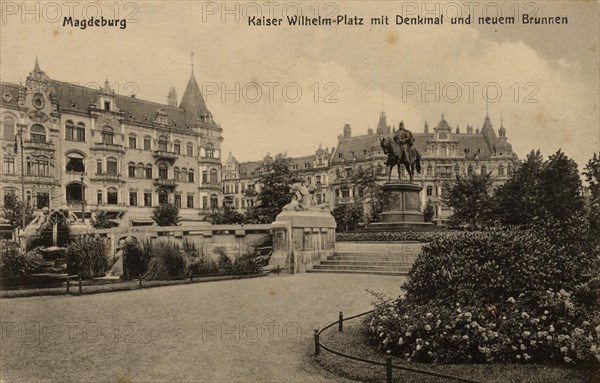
(401, 207)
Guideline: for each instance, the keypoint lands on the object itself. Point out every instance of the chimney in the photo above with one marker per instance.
(172, 98)
(370, 132)
(347, 131)
(457, 129)
(469, 129)
(426, 128)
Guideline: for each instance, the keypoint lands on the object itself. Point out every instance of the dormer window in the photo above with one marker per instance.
(107, 106)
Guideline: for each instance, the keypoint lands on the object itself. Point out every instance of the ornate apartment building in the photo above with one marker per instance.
(94, 149)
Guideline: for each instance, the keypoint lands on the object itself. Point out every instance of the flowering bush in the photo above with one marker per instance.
(392, 236)
(503, 295)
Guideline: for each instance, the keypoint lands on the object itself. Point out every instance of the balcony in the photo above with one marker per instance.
(39, 145)
(104, 147)
(209, 160)
(165, 183)
(445, 175)
(165, 155)
(107, 178)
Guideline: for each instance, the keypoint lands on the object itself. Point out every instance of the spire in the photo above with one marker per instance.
(192, 61)
(193, 102)
(382, 126)
(37, 75)
(37, 64)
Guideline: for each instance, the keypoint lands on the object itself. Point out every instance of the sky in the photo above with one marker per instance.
(289, 89)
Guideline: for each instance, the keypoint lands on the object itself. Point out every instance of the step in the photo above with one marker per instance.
(357, 272)
(372, 258)
(365, 263)
(361, 267)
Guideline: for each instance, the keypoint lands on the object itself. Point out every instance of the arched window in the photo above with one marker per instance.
(213, 176)
(210, 151)
(149, 171)
(500, 170)
(470, 170)
(510, 170)
(177, 147)
(38, 133)
(176, 174)
(131, 170)
(80, 132)
(429, 171)
(191, 175)
(8, 127)
(190, 149)
(108, 135)
(112, 196)
(163, 143)
(69, 130)
(163, 172)
(75, 163)
(183, 176)
(112, 168)
(429, 191)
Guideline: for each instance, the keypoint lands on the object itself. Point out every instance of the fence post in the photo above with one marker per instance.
(341, 322)
(317, 346)
(140, 281)
(388, 368)
(79, 286)
(68, 284)
(191, 278)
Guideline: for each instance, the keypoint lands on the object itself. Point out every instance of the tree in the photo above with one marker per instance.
(470, 200)
(275, 180)
(592, 177)
(13, 211)
(101, 221)
(370, 191)
(540, 190)
(166, 214)
(347, 216)
(228, 216)
(428, 211)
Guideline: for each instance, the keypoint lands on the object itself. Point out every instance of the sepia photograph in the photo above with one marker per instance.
(299, 191)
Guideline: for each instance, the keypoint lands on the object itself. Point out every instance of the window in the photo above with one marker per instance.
(205, 177)
(429, 171)
(190, 150)
(214, 201)
(80, 132)
(99, 167)
(99, 197)
(9, 165)
(483, 169)
(8, 129)
(191, 176)
(131, 170)
(75, 163)
(38, 133)
(213, 176)
(70, 130)
(429, 191)
(163, 197)
(38, 166)
(147, 143)
(183, 176)
(163, 172)
(345, 192)
(177, 148)
(190, 201)
(42, 200)
(147, 199)
(204, 202)
(112, 196)
(9, 194)
(470, 170)
(111, 167)
(108, 135)
(176, 174)
(149, 171)
(132, 142)
(510, 170)
(500, 170)
(107, 106)
(210, 152)
(163, 143)
(132, 198)
(178, 200)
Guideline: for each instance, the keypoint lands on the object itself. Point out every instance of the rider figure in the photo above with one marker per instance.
(405, 140)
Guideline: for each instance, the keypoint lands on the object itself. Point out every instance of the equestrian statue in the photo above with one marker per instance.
(400, 151)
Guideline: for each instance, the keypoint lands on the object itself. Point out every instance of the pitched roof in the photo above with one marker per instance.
(193, 102)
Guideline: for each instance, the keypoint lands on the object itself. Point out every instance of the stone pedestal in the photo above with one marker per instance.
(401, 207)
(302, 238)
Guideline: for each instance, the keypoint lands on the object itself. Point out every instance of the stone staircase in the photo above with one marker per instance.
(370, 258)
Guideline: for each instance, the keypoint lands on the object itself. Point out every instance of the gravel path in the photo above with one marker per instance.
(254, 330)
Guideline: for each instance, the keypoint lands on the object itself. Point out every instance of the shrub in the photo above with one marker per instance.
(102, 221)
(135, 259)
(197, 263)
(392, 236)
(14, 266)
(165, 261)
(505, 294)
(166, 214)
(87, 258)
(224, 263)
(246, 264)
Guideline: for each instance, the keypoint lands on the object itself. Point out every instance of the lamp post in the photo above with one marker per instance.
(20, 135)
(82, 199)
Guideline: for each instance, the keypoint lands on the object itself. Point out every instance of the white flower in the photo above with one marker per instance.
(511, 300)
(418, 347)
(427, 327)
(549, 338)
(465, 337)
(564, 349)
(428, 315)
(533, 342)
(408, 334)
(546, 312)
(552, 328)
(568, 360)
(400, 341)
(523, 347)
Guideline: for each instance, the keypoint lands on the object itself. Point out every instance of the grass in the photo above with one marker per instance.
(106, 287)
(353, 341)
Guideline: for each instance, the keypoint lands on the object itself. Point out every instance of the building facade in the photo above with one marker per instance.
(92, 149)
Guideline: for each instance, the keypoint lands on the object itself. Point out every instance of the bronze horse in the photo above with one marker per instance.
(396, 158)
